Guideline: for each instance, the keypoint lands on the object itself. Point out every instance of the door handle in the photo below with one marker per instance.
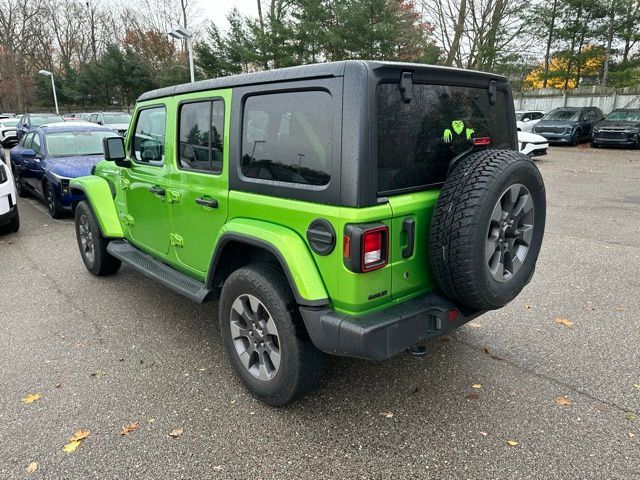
(409, 226)
(207, 202)
(157, 190)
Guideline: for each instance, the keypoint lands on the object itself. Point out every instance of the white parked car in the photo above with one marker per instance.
(526, 119)
(8, 132)
(9, 218)
(532, 144)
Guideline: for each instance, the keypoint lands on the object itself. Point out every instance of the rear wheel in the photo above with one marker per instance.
(487, 228)
(264, 336)
(93, 246)
(12, 226)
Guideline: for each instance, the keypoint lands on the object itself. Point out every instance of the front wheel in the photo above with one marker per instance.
(575, 138)
(93, 246)
(53, 204)
(264, 336)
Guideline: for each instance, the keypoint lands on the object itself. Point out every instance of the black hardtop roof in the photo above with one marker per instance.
(302, 72)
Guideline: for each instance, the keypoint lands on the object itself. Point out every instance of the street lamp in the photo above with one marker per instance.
(53, 86)
(181, 33)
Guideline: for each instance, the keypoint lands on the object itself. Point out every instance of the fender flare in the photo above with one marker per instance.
(98, 194)
(287, 247)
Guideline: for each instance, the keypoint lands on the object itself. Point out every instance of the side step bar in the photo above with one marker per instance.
(156, 270)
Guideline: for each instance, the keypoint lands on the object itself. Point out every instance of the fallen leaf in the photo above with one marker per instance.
(472, 396)
(602, 407)
(32, 467)
(484, 434)
(486, 350)
(386, 414)
(630, 416)
(563, 401)
(444, 339)
(636, 385)
(496, 357)
(476, 385)
(513, 393)
(31, 398)
(415, 389)
(98, 374)
(151, 420)
(474, 325)
(564, 321)
(512, 443)
(57, 385)
(80, 435)
(527, 306)
(176, 432)
(127, 429)
(631, 434)
(71, 446)
(619, 309)
(217, 468)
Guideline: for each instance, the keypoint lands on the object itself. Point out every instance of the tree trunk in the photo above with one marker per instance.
(547, 53)
(459, 27)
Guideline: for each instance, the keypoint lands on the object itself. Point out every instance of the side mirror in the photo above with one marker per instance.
(114, 151)
(100, 122)
(29, 153)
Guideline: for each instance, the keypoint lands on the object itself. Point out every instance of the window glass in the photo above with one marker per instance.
(38, 120)
(286, 137)
(149, 137)
(36, 143)
(201, 136)
(75, 144)
(418, 140)
(26, 143)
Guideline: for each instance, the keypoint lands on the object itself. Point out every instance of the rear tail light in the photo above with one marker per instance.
(366, 247)
(482, 141)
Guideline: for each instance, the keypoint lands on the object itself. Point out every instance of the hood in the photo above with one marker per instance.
(617, 125)
(526, 137)
(72, 167)
(117, 126)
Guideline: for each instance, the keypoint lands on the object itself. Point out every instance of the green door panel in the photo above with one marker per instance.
(411, 276)
(98, 194)
(292, 249)
(148, 213)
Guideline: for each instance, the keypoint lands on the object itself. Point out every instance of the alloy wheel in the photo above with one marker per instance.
(86, 239)
(255, 337)
(509, 233)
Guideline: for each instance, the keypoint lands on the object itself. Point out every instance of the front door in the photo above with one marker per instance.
(145, 184)
(200, 185)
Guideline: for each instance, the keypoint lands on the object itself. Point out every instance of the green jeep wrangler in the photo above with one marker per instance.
(352, 208)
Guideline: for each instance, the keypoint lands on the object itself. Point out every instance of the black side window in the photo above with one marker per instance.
(286, 137)
(36, 143)
(201, 136)
(149, 136)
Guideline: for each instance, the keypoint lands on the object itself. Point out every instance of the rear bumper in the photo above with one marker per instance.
(5, 218)
(380, 335)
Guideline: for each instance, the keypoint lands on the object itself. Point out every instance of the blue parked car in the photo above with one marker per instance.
(29, 121)
(49, 156)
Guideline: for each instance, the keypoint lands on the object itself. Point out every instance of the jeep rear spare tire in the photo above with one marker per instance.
(487, 228)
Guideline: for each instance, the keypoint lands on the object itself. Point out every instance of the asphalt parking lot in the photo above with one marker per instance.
(556, 373)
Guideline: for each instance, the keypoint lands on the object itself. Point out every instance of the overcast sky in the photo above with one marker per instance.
(217, 10)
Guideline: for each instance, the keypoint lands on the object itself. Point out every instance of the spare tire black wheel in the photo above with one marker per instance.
(487, 228)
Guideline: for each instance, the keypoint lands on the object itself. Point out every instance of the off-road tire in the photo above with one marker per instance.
(102, 263)
(460, 223)
(302, 365)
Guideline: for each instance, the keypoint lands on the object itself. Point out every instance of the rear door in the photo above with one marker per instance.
(199, 186)
(416, 142)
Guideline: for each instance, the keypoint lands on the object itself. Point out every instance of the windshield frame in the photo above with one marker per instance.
(50, 154)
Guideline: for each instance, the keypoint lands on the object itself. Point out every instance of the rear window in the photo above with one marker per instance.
(418, 140)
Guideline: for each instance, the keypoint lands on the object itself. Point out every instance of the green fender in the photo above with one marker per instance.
(287, 246)
(97, 192)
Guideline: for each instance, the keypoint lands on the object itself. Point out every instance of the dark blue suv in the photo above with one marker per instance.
(569, 125)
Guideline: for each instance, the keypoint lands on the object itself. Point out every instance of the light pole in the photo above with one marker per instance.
(53, 86)
(181, 33)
